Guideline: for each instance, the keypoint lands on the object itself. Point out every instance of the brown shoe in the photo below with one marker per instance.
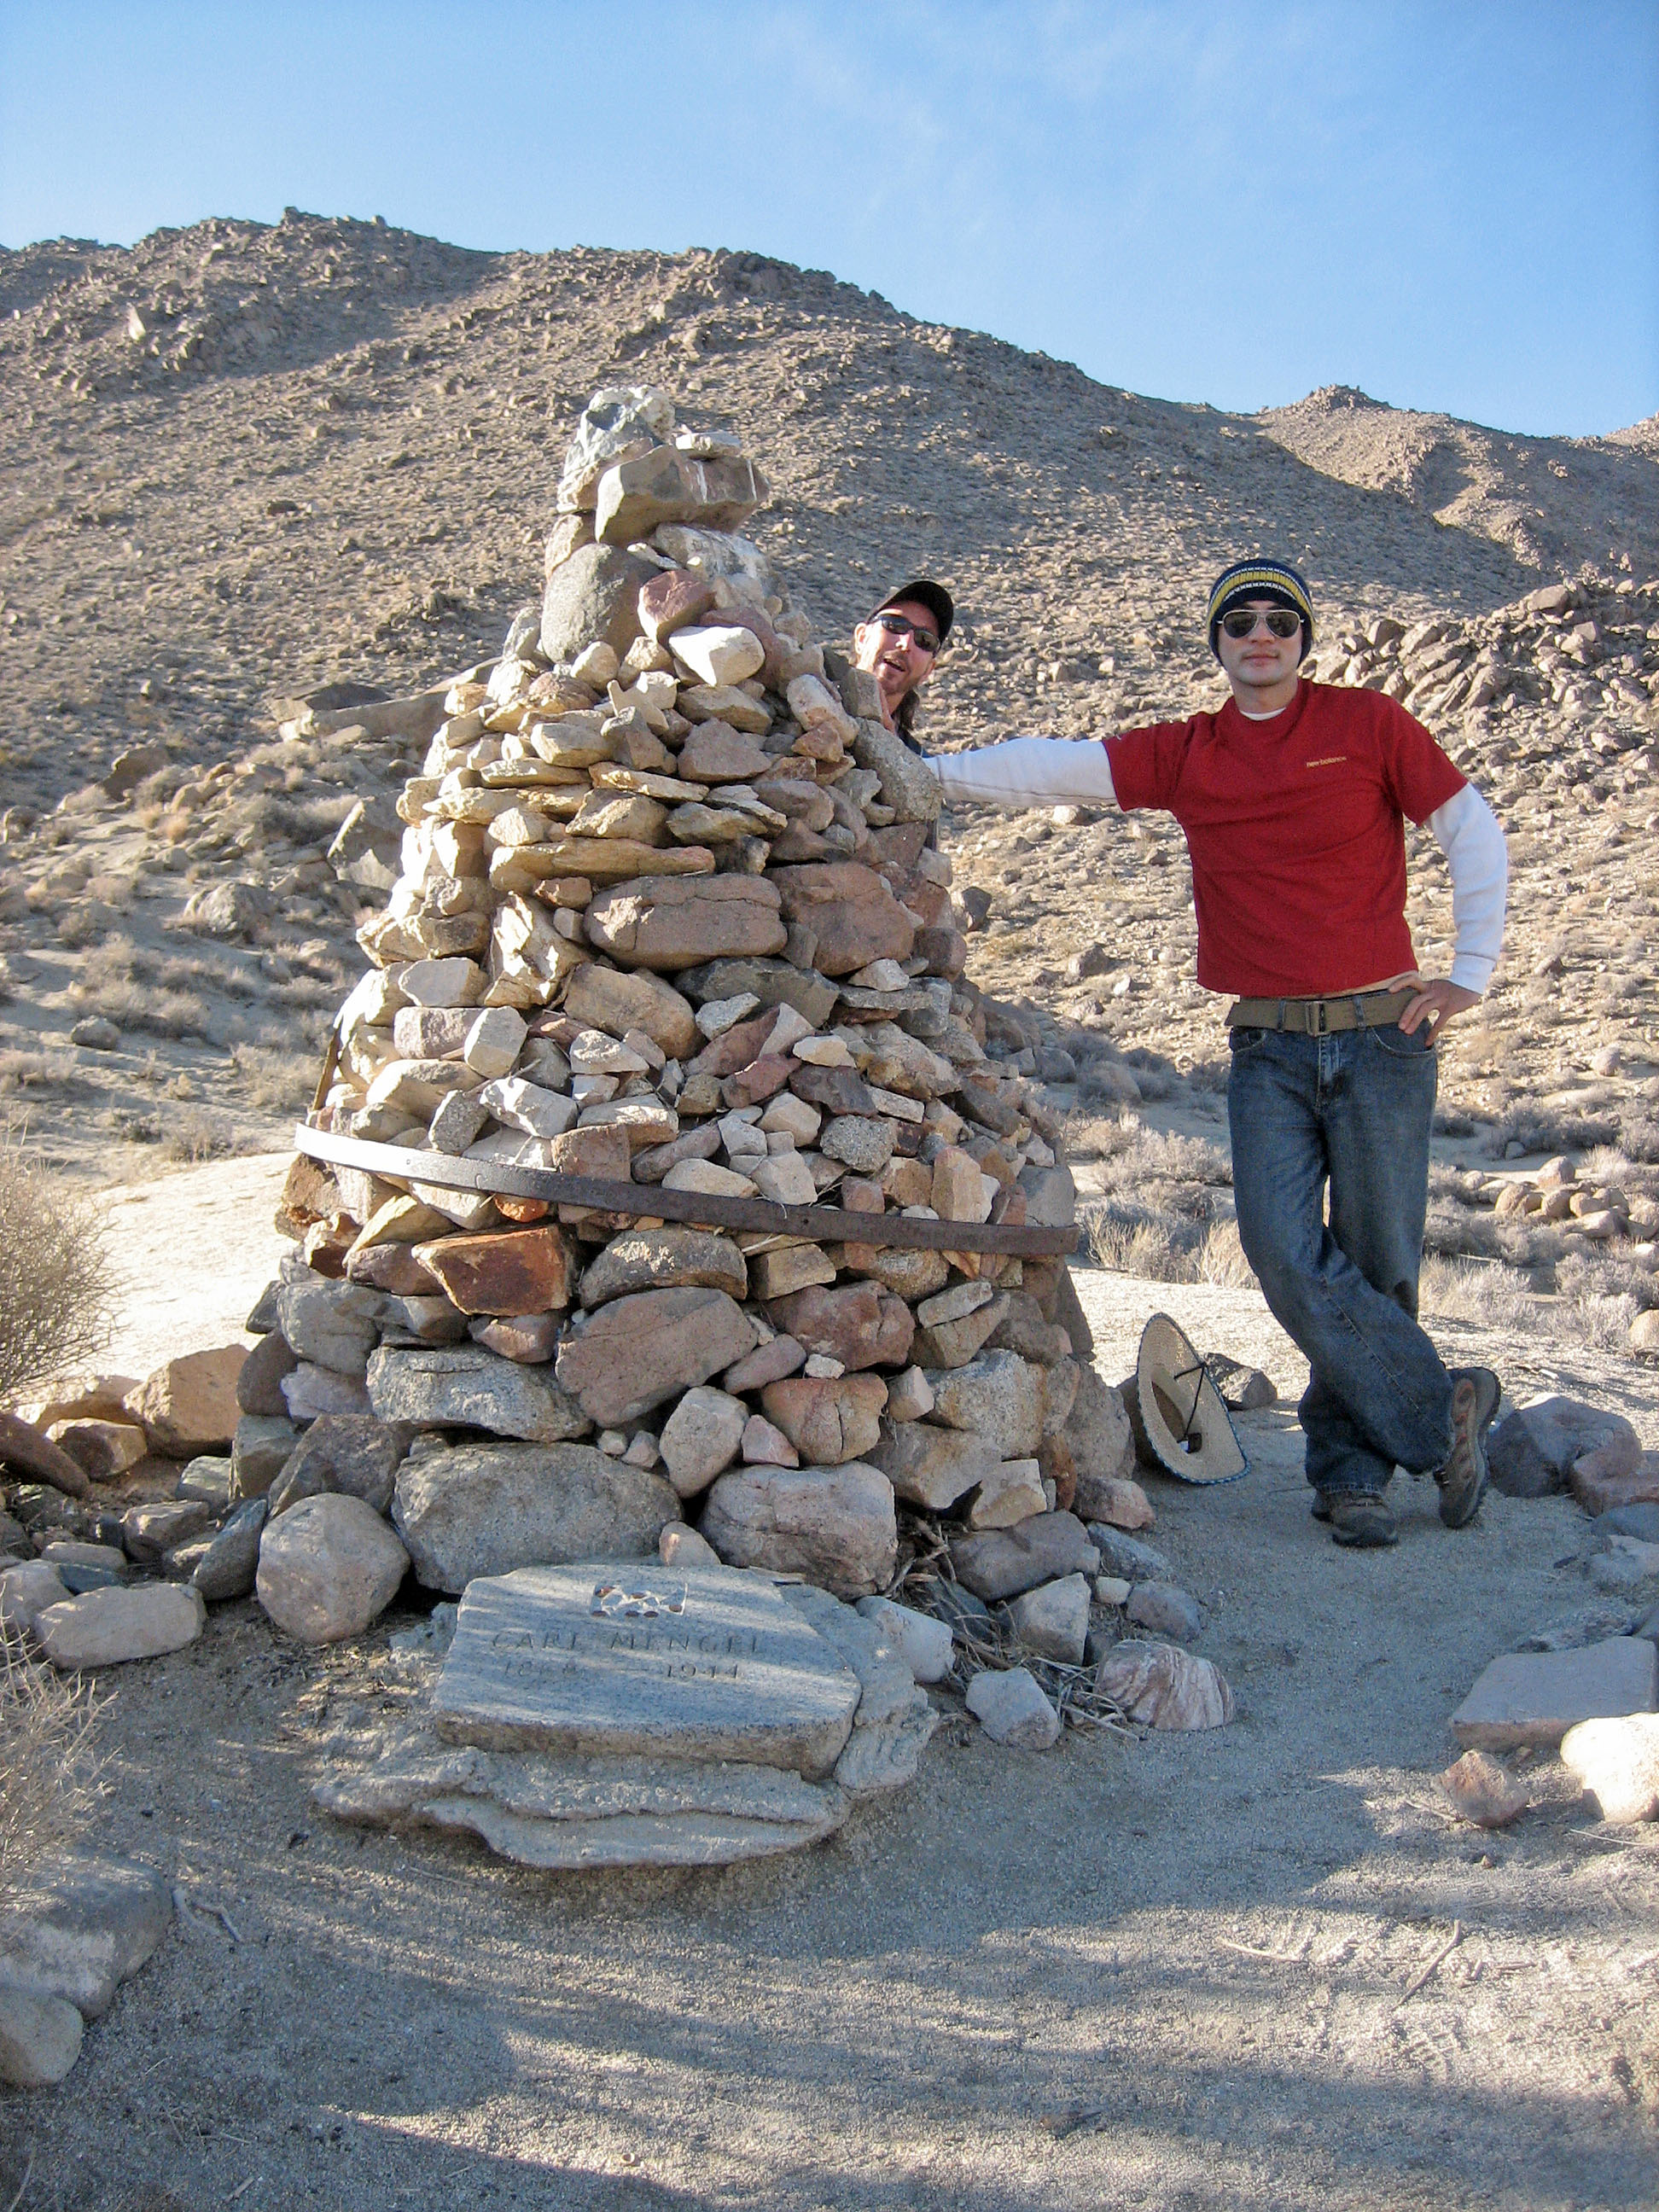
(1462, 1481)
(1360, 1520)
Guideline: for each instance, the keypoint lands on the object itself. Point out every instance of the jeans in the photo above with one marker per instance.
(1352, 1111)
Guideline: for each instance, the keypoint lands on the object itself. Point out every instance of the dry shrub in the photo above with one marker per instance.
(193, 1136)
(37, 1071)
(49, 1756)
(1221, 1259)
(276, 1081)
(1461, 1291)
(1155, 1248)
(54, 1299)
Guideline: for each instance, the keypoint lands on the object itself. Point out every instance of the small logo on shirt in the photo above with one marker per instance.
(1328, 760)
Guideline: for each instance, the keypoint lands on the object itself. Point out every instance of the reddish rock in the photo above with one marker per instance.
(674, 600)
(761, 1080)
(523, 1272)
(859, 1325)
(828, 1421)
(851, 911)
(189, 1405)
(1599, 1487)
(715, 753)
(672, 923)
(637, 1351)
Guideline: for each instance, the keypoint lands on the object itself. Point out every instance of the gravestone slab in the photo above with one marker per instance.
(1535, 1696)
(629, 1660)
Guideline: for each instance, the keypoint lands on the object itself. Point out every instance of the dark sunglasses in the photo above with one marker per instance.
(901, 626)
(1283, 621)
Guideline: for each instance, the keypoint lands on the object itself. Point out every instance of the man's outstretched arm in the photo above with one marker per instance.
(1028, 772)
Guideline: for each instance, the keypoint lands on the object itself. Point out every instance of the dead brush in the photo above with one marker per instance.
(278, 1080)
(49, 1756)
(1462, 1290)
(54, 1294)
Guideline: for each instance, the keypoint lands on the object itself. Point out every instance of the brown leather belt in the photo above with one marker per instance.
(1358, 1010)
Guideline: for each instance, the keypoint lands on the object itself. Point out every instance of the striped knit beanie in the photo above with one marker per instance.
(1275, 580)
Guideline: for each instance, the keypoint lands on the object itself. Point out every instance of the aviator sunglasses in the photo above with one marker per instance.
(901, 626)
(1283, 621)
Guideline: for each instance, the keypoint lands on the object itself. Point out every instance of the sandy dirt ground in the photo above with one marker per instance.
(1179, 1972)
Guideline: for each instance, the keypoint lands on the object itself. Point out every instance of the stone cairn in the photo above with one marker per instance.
(661, 1205)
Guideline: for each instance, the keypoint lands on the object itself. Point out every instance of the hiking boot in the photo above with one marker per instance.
(1360, 1520)
(1462, 1479)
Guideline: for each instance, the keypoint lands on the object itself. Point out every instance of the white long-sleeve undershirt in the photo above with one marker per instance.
(1063, 771)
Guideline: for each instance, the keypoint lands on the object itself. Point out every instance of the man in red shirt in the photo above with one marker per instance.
(1293, 799)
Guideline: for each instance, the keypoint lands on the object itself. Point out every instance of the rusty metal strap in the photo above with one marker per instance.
(820, 1224)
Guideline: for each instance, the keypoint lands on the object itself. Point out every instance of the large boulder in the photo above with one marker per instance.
(78, 1930)
(638, 1352)
(835, 1526)
(486, 1509)
(592, 597)
(328, 1567)
(520, 1270)
(673, 922)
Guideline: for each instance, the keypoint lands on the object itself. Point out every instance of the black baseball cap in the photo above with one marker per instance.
(925, 593)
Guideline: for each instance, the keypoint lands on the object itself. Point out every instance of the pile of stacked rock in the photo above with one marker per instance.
(669, 915)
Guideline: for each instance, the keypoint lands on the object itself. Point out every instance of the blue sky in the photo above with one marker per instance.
(1452, 206)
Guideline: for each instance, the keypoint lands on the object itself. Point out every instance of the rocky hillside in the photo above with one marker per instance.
(246, 464)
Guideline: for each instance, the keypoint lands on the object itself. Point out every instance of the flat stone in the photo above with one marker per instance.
(520, 1271)
(857, 1324)
(766, 1363)
(763, 1444)
(228, 1568)
(909, 1395)
(714, 752)
(893, 1721)
(1166, 1610)
(1001, 1562)
(327, 1568)
(1535, 1696)
(1010, 1706)
(79, 1931)
(665, 1259)
(547, 1811)
(639, 1351)
(701, 1439)
(861, 1141)
(834, 1525)
(1616, 1761)
(1053, 1619)
(779, 1272)
(835, 1090)
(189, 1405)
(710, 1178)
(1160, 1686)
(672, 923)
(830, 1421)
(619, 1660)
(39, 2034)
(149, 1532)
(486, 1509)
(924, 1644)
(770, 982)
(1602, 1489)
(469, 1387)
(107, 1627)
(997, 1395)
(664, 485)
(932, 1467)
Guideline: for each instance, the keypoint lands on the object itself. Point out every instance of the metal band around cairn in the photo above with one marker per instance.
(818, 1225)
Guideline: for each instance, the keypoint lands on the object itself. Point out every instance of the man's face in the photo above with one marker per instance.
(893, 658)
(1260, 662)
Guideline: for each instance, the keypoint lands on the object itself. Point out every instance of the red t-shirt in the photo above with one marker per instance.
(1294, 828)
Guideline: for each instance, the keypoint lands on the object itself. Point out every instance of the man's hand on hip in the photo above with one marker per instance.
(1437, 1000)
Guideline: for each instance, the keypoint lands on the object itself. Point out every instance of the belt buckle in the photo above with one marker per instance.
(1319, 1011)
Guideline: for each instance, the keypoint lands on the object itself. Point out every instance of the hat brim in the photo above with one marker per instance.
(1181, 1426)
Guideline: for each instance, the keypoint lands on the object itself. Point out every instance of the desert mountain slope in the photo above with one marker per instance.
(243, 463)
(1553, 502)
(243, 459)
